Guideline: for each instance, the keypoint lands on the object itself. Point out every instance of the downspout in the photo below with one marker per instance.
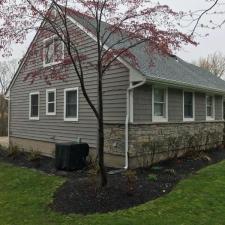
(8, 98)
(132, 87)
(9, 115)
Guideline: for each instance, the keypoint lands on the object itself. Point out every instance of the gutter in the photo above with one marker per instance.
(132, 87)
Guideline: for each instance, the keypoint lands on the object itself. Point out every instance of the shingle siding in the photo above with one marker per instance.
(218, 107)
(200, 106)
(175, 105)
(142, 104)
(54, 128)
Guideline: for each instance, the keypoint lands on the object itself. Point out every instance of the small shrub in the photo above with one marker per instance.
(13, 151)
(93, 173)
(173, 145)
(91, 162)
(170, 171)
(131, 178)
(34, 155)
(206, 157)
(199, 141)
(152, 177)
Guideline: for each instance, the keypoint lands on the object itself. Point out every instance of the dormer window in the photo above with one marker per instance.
(53, 51)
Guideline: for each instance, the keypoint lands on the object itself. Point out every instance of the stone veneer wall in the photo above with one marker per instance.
(149, 143)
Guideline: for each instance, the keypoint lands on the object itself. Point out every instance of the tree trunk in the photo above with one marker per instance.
(101, 153)
(100, 139)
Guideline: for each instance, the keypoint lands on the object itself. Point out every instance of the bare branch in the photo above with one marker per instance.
(214, 63)
(202, 14)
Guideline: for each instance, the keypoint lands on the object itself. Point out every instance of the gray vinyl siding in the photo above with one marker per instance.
(200, 106)
(218, 107)
(175, 105)
(142, 104)
(54, 128)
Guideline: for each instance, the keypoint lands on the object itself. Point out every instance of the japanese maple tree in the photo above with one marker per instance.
(132, 22)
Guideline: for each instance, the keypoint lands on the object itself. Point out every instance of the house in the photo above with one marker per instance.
(150, 112)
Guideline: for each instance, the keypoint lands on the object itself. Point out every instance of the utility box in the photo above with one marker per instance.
(71, 156)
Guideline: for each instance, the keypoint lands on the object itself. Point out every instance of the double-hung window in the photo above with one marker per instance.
(71, 104)
(53, 52)
(51, 102)
(160, 105)
(210, 111)
(188, 106)
(34, 106)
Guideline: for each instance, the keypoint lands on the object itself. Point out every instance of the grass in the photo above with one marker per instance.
(25, 195)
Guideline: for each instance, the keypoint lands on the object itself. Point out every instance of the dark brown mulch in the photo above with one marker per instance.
(42, 163)
(80, 195)
(21, 159)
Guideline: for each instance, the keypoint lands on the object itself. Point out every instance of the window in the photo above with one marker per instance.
(51, 102)
(188, 106)
(71, 104)
(160, 104)
(209, 107)
(53, 51)
(34, 106)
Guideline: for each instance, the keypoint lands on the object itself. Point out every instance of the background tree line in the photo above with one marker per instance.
(7, 70)
(214, 63)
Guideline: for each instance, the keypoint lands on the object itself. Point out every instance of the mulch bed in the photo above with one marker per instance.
(79, 194)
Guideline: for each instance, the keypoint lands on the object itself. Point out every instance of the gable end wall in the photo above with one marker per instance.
(54, 128)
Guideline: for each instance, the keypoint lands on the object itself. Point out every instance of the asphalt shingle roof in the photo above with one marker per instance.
(173, 69)
(176, 69)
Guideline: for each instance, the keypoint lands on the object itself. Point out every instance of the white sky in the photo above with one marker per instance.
(210, 44)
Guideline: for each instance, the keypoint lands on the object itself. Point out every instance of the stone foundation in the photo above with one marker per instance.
(148, 143)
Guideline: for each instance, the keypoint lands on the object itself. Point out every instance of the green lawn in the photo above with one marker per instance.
(25, 194)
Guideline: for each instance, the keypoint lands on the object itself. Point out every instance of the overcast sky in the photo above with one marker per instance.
(214, 42)
(207, 45)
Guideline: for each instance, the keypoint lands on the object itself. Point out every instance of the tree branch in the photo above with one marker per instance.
(202, 14)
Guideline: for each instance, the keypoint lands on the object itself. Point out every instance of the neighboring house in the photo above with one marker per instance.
(148, 111)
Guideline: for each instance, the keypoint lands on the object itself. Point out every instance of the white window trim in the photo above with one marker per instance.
(160, 119)
(47, 102)
(53, 63)
(34, 117)
(210, 118)
(75, 119)
(193, 107)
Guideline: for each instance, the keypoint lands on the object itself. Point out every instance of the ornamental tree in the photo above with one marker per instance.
(117, 26)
